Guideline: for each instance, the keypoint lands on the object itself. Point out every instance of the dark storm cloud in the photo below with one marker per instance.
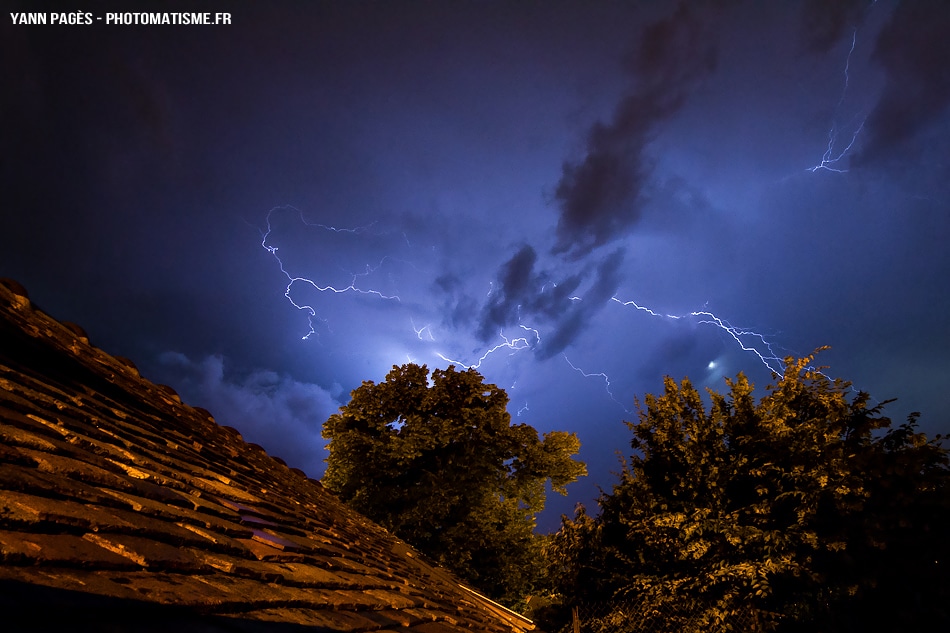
(521, 292)
(505, 302)
(825, 22)
(138, 164)
(517, 284)
(573, 321)
(523, 296)
(913, 49)
(458, 307)
(601, 196)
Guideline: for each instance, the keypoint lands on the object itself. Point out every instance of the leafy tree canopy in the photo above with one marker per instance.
(436, 460)
(805, 511)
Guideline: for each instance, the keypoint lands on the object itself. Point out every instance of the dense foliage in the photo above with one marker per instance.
(437, 461)
(805, 511)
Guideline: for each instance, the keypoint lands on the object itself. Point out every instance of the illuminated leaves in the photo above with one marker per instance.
(435, 459)
(805, 507)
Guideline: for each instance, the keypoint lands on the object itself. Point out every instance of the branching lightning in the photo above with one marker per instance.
(356, 230)
(829, 160)
(425, 328)
(530, 337)
(597, 375)
(292, 279)
(514, 344)
(444, 340)
(767, 356)
(762, 348)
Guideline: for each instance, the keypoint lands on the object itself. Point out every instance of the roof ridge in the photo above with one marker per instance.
(111, 485)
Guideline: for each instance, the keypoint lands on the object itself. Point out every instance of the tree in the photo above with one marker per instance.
(806, 511)
(437, 461)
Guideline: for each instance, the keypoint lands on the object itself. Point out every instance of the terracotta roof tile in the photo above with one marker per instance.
(18, 477)
(21, 548)
(117, 499)
(149, 553)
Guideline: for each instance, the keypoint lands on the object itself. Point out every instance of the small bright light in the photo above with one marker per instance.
(711, 365)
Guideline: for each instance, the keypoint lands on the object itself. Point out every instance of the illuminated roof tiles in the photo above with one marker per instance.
(117, 499)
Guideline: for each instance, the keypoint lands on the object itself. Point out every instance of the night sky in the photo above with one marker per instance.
(478, 176)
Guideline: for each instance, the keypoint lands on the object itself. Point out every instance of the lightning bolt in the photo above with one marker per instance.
(356, 230)
(762, 349)
(515, 345)
(425, 328)
(294, 280)
(830, 160)
(530, 338)
(597, 375)
(766, 355)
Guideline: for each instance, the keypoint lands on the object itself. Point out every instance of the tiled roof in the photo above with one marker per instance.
(123, 509)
